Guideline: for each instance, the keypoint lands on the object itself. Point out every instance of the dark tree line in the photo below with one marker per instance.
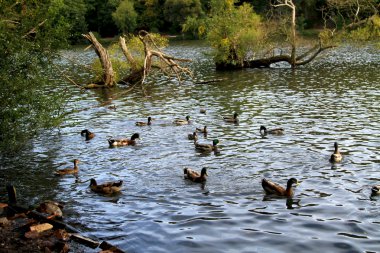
(112, 17)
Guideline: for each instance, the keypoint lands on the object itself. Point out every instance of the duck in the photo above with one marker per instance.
(182, 121)
(275, 131)
(141, 123)
(50, 207)
(124, 141)
(195, 176)
(202, 130)
(106, 188)
(336, 157)
(276, 189)
(89, 135)
(193, 136)
(375, 190)
(207, 147)
(67, 171)
(233, 119)
(202, 110)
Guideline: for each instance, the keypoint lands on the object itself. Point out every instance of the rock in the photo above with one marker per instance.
(41, 227)
(4, 221)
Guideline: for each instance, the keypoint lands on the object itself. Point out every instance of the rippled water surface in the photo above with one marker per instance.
(336, 98)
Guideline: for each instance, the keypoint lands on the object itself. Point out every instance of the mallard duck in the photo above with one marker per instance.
(336, 157)
(207, 147)
(182, 121)
(89, 135)
(273, 188)
(233, 119)
(375, 190)
(106, 188)
(195, 176)
(50, 207)
(124, 141)
(202, 130)
(66, 171)
(141, 123)
(193, 136)
(276, 131)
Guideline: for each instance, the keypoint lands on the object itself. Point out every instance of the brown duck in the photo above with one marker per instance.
(233, 119)
(193, 136)
(124, 141)
(141, 123)
(66, 171)
(195, 176)
(275, 131)
(202, 130)
(106, 188)
(89, 135)
(276, 189)
(336, 157)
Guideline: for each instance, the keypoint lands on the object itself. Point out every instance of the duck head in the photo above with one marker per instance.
(336, 146)
(291, 182)
(135, 136)
(93, 182)
(204, 172)
(215, 142)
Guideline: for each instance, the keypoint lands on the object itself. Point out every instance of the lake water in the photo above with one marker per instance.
(334, 99)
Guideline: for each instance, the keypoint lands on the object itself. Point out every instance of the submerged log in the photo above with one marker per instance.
(85, 241)
(107, 247)
(267, 62)
(108, 74)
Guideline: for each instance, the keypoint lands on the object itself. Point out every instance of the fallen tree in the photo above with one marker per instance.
(108, 79)
(242, 39)
(241, 47)
(153, 58)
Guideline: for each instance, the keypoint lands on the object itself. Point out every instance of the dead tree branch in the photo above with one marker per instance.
(108, 74)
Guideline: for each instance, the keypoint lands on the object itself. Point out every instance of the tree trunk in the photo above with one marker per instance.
(137, 73)
(108, 74)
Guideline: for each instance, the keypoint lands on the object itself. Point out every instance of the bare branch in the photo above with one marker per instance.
(34, 29)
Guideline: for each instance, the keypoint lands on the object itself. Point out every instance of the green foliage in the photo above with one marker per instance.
(74, 11)
(369, 31)
(125, 16)
(99, 17)
(196, 26)
(176, 11)
(29, 32)
(234, 32)
(150, 15)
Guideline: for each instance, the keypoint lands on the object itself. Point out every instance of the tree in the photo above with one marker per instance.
(234, 33)
(151, 17)
(176, 11)
(358, 19)
(125, 16)
(74, 12)
(143, 54)
(99, 17)
(29, 101)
